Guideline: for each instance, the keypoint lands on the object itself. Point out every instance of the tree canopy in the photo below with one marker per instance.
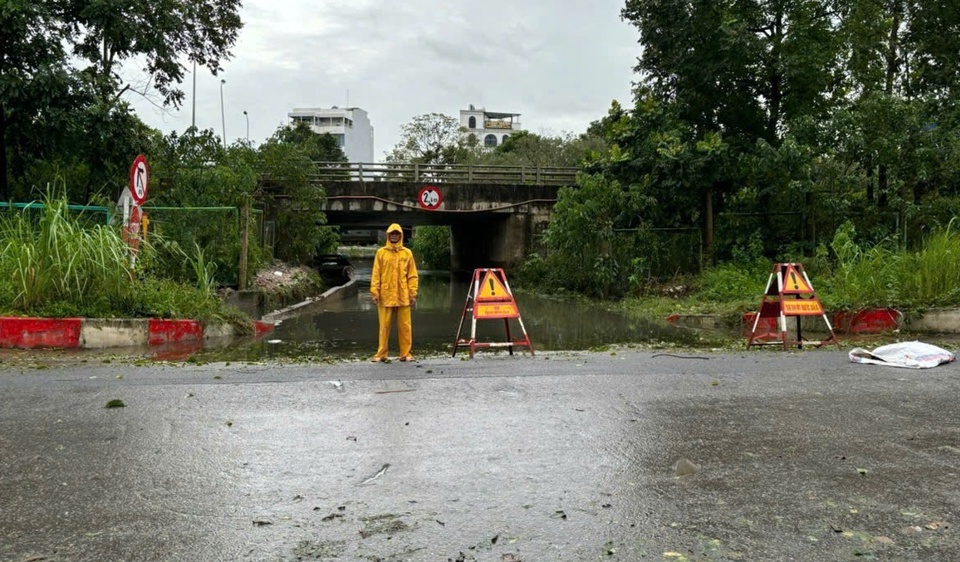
(61, 110)
(435, 138)
(766, 124)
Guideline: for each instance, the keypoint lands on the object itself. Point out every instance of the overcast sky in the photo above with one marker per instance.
(559, 63)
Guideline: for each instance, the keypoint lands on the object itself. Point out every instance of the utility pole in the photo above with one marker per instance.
(223, 118)
(247, 116)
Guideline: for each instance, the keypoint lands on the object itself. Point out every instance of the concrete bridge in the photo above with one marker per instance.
(495, 213)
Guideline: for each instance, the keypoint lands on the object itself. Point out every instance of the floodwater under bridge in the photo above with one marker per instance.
(494, 212)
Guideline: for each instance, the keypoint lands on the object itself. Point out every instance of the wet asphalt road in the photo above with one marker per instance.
(802, 456)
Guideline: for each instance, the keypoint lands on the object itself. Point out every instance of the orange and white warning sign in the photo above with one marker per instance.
(492, 289)
(802, 307)
(795, 283)
(489, 298)
(789, 293)
(494, 300)
(496, 310)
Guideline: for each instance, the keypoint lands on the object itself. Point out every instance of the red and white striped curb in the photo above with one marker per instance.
(93, 333)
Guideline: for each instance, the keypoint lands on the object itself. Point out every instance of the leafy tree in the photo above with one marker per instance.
(286, 161)
(431, 244)
(69, 155)
(730, 73)
(935, 33)
(60, 91)
(195, 170)
(524, 148)
(318, 148)
(656, 153)
(594, 237)
(206, 184)
(35, 89)
(106, 33)
(432, 138)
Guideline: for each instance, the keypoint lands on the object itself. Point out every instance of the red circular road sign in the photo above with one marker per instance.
(430, 197)
(139, 175)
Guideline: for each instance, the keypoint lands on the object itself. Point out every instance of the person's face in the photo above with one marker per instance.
(393, 237)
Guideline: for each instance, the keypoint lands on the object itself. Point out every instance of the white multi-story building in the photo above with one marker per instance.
(488, 128)
(349, 125)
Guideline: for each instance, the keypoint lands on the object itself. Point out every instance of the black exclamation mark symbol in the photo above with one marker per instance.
(492, 291)
(796, 284)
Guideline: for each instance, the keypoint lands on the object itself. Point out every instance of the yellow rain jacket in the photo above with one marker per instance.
(394, 279)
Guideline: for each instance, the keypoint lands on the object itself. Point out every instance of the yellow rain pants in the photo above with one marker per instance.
(386, 315)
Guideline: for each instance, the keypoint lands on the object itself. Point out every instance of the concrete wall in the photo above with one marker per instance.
(943, 321)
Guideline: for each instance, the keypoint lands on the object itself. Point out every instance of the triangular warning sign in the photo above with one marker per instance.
(795, 283)
(492, 289)
(490, 299)
(789, 294)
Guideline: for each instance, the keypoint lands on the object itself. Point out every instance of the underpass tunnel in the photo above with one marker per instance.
(478, 238)
(494, 240)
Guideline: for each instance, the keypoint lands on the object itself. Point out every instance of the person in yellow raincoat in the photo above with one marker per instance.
(393, 287)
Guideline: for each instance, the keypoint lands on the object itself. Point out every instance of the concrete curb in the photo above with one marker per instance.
(350, 288)
(863, 322)
(104, 333)
(101, 333)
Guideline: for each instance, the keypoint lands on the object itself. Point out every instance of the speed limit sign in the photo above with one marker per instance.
(430, 197)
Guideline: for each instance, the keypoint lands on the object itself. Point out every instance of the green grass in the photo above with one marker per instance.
(56, 264)
(52, 258)
(855, 277)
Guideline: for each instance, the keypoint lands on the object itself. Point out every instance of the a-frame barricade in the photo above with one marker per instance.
(490, 298)
(789, 293)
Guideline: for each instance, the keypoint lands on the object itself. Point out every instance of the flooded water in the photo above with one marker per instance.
(346, 326)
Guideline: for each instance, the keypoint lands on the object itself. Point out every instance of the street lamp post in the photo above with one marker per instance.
(193, 114)
(247, 117)
(223, 118)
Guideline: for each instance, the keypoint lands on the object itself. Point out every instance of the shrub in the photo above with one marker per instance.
(431, 245)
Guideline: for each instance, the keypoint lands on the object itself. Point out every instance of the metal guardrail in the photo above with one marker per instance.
(443, 173)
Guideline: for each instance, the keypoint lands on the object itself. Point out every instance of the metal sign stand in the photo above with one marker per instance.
(490, 298)
(793, 295)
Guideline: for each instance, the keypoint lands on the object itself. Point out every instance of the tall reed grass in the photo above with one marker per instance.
(56, 264)
(860, 277)
(931, 277)
(884, 276)
(851, 276)
(48, 257)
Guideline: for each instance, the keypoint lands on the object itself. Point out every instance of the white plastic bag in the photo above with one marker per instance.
(910, 354)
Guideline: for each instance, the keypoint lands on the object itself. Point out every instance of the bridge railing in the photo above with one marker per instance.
(443, 173)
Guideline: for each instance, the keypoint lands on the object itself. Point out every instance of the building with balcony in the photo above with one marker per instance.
(488, 128)
(349, 125)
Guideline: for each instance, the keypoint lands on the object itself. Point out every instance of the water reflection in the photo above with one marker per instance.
(348, 327)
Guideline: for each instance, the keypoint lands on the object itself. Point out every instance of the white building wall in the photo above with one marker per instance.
(350, 125)
(482, 116)
(359, 144)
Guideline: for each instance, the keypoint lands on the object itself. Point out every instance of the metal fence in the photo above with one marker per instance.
(95, 213)
(443, 173)
(217, 231)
